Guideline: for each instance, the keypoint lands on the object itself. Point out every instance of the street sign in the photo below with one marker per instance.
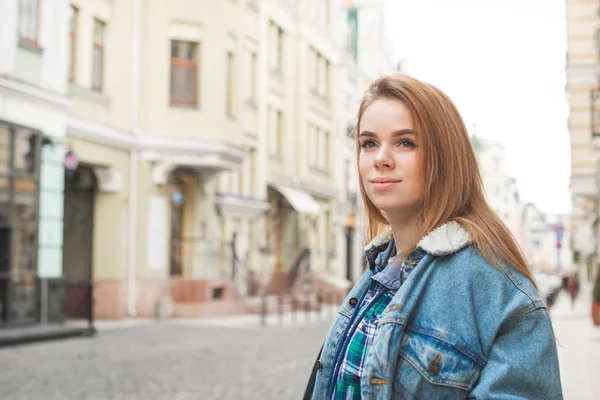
(559, 230)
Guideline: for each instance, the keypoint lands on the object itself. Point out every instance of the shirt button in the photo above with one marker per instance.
(353, 301)
(318, 365)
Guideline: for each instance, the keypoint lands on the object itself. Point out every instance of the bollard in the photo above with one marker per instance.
(307, 307)
(280, 308)
(319, 305)
(263, 310)
(293, 300)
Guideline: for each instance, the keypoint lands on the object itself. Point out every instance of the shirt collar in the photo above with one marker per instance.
(385, 270)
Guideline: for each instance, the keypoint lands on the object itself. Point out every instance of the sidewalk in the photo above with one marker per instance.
(578, 346)
(232, 321)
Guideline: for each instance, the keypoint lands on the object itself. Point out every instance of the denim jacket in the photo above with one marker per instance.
(458, 328)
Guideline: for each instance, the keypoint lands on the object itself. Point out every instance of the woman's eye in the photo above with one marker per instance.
(367, 144)
(406, 143)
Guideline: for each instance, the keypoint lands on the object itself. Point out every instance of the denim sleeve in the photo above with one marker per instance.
(523, 361)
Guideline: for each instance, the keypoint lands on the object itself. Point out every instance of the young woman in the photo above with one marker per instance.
(447, 308)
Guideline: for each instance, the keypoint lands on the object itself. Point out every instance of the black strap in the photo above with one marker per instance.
(310, 388)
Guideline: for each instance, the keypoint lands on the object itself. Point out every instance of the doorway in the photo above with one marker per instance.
(80, 193)
(181, 185)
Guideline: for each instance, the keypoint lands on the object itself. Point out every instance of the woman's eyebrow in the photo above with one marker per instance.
(401, 132)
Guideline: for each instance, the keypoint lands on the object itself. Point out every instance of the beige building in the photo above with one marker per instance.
(583, 89)
(205, 138)
(299, 111)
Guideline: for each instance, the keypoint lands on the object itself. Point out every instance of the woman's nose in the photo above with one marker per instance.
(383, 159)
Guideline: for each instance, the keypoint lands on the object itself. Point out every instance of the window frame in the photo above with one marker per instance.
(74, 24)
(98, 46)
(23, 37)
(193, 64)
(276, 47)
(230, 63)
(253, 95)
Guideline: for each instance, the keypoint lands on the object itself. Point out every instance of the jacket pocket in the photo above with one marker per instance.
(431, 368)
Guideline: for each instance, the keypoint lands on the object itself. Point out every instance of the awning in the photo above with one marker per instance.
(300, 200)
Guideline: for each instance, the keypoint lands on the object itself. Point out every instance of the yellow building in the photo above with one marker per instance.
(298, 116)
(161, 103)
(583, 89)
(205, 134)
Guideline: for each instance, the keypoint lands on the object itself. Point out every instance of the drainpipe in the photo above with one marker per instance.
(134, 159)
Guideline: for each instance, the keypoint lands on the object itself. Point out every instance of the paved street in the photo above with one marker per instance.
(229, 358)
(166, 362)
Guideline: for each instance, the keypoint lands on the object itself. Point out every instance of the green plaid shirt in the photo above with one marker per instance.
(386, 281)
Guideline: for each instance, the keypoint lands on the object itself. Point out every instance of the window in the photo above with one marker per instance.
(276, 47)
(230, 107)
(312, 145)
(312, 69)
(184, 73)
(318, 148)
(275, 132)
(352, 33)
(318, 73)
(323, 147)
(323, 77)
(29, 14)
(98, 56)
(73, 42)
(19, 192)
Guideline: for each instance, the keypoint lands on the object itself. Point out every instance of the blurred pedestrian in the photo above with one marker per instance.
(573, 288)
(447, 307)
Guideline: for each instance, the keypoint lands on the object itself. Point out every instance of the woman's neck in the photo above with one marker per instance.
(406, 231)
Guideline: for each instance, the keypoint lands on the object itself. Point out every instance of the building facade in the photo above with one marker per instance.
(583, 89)
(207, 152)
(164, 120)
(32, 129)
(183, 155)
(364, 58)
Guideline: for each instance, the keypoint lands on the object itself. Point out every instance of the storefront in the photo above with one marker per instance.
(20, 149)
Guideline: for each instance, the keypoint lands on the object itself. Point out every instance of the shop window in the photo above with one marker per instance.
(19, 203)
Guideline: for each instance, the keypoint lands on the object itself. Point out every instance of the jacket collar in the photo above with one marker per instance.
(446, 239)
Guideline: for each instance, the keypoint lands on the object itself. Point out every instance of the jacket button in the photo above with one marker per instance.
(434, 367)
(353, 301)
(318, 365)
(377, 381)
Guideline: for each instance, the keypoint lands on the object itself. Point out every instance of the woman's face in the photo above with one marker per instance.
(390, 160)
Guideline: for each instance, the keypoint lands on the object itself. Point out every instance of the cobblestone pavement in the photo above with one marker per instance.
(166, 362)
(230, 358)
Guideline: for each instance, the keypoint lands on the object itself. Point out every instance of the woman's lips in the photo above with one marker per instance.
(383, 183)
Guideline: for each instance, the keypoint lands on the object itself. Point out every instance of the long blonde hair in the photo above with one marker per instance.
(453, 187)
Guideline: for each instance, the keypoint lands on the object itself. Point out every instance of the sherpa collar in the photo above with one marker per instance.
(445, 239)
